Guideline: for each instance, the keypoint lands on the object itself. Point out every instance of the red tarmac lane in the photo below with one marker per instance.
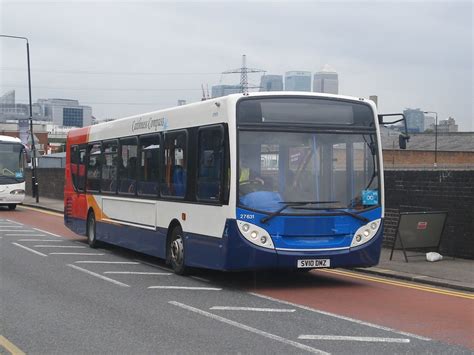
(420, 310)
(443, 317)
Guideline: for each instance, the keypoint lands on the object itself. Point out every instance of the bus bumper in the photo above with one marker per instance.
(239, 254)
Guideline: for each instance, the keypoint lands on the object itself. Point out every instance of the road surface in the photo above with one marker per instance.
(60, 296)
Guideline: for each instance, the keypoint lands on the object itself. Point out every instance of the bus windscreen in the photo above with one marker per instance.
(311, 111)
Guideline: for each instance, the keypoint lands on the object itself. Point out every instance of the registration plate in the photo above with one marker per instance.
(313, 263)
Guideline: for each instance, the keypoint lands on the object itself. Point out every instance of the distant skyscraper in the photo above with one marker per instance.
(326, 81)
(223, 90)
(181, 102)
(298, 81)
(271, 83)
(415, 120)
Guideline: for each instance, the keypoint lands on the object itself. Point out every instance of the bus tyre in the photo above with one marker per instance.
(11, 207)
(91, 236)
(176, 251)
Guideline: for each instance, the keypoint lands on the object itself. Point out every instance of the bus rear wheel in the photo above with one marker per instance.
(11, 207)
(91, 236)
(176, 251)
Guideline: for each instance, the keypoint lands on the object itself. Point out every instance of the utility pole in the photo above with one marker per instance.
(244, 71)
(34, 181)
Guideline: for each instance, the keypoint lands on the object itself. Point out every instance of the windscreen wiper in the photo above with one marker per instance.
(287, 204)
(338, 209)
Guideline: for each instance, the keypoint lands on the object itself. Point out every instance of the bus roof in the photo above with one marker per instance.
(8, 139)
(235, 97)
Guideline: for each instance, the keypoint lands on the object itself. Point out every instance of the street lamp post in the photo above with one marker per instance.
(436, 137)
(34, 182)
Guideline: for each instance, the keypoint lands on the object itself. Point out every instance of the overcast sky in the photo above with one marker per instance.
(123, 58)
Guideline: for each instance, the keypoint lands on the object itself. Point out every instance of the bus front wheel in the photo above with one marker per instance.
(176, 251)
(11, 207)
(91, 236)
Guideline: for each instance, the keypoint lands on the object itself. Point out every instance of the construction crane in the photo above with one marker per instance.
(244, 71)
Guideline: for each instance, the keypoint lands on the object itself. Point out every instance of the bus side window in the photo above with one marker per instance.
(211, 164)
(74, 169)
(93, 167)
(109, 167)
(175, 168)
(81, 169)
(127, 166)
(149, 163)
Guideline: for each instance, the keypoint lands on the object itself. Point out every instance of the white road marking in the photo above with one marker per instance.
(106, 262)
(20, 224)
(350, 338)
(186, 288)
(249, 329)
(98, 275)
(138, 273)
(54, 235)
(75, 254)
(10, 226)
(31, 250)
(40, 240)
(376, 326)
(59, 246)
(252, 309)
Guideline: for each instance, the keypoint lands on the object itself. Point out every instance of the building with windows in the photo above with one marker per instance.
(326, 81)
(447, 126)
(65, 112)
(271, 83)
(60, 112)
(415, 120)
(224, 90)
(298, 81)
(10, 110)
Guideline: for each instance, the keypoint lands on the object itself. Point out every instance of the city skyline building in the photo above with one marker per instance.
(66, 112)
(298, 81)
(224, 90)
(61, 112)
(10, 110)
(447, 126)
(415, 120)
(326, 81)
(271, 83)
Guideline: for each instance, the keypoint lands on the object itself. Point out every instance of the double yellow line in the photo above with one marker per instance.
(399, 283)
(9, 346)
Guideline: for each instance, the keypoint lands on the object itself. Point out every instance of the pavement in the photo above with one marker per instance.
(450, 272)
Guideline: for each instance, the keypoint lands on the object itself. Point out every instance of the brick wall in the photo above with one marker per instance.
(434, 190)
(426, 158)
(51, 182)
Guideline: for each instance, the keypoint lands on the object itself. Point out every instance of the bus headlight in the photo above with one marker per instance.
(17, 192)
(366, 233)
(255, 234)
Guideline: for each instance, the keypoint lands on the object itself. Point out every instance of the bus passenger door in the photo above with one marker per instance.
(76, 202)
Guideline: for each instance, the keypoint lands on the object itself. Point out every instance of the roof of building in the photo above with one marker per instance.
(453, 141)
(327, 69)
